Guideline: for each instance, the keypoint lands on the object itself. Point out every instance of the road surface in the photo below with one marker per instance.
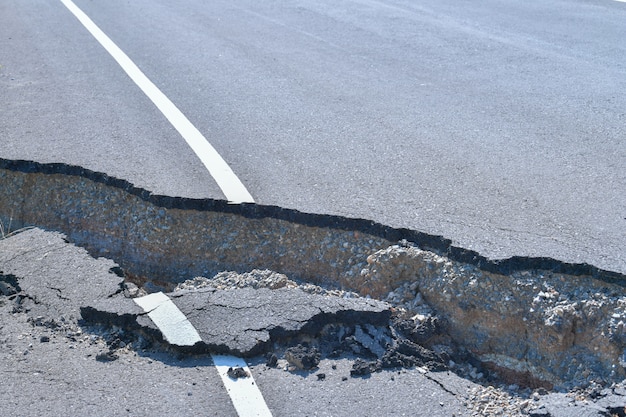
(500, 126)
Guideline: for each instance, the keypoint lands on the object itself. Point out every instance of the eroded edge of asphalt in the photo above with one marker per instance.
(438, 244)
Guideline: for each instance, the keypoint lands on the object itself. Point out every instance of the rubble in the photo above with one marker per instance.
(532, 327)
(303, 357)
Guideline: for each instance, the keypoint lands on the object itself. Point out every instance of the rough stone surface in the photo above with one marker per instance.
(539, 327)
(42, 332)
(175, 239)
(303, 357)
(259, 278)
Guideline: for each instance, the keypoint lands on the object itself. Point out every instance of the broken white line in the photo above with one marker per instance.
(178, 330)
(229, 183)
(244, 392)
(174, 326)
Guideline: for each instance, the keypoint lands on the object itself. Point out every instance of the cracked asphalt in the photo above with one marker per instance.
(496, 125)
(55, 363)
(48, 360)
(72, 343)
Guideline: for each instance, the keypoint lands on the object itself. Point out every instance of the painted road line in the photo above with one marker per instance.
(174, 326)
(244, 392)
(229, 183)
(177, 330)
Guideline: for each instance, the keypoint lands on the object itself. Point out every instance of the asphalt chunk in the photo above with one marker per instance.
(246, 321)
(237, 372)
(303, 357)
(59, 280)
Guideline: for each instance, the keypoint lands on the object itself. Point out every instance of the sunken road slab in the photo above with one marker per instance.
(246, 320)
(59, 279)
(243, 322)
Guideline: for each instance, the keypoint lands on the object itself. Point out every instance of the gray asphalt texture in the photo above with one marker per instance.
(499, 125)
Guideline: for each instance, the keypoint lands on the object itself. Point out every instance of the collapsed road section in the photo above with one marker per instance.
(225, 315)
(535, 321)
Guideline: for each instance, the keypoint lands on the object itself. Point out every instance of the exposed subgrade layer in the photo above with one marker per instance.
(557, 323)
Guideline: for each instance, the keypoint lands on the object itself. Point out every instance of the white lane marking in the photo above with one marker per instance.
(229, 183)
(176, 328)
(244, 392)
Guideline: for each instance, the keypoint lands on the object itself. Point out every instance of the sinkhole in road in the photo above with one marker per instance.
(538, 321)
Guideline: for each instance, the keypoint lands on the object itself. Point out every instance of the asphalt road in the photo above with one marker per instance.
(500, 125)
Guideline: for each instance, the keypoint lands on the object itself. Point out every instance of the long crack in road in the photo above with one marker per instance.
(296, 286)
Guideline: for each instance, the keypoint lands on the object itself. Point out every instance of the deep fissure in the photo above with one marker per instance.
(486, 305)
